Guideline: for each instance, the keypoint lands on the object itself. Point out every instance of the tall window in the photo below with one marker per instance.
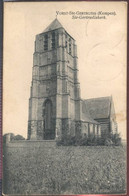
(53, 40)
(46, 42)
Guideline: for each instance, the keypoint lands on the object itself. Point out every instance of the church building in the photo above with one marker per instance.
(55, 106)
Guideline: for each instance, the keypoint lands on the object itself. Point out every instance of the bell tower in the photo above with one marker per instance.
(54, 104)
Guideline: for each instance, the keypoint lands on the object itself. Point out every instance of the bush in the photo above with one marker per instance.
(18, 137)
(12, 137)
(101, 141)
(66, 141)
(79, 141)
(108, 142)
(116, 139)
(89, 141)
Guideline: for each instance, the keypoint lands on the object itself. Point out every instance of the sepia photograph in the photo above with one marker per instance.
(64, 98)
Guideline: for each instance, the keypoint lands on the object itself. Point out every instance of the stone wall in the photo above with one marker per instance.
(30, 144)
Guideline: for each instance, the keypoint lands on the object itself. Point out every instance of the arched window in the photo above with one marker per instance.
(49, 129)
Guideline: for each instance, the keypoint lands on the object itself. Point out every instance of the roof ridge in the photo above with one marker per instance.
(97, 98)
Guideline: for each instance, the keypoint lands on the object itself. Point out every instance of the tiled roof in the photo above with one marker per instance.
(54, 25)
(98, 107)
(87, 118)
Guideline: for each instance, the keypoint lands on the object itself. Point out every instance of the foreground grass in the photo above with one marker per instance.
(65, 170)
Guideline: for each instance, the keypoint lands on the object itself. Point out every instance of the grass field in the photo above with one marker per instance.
(65, 170)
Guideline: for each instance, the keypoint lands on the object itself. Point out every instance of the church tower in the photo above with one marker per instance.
(54, 104)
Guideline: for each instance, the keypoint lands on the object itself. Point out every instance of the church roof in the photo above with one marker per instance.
(98, 107)
(54, 25)
(87, 118)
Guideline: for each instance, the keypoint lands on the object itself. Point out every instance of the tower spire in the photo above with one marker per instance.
(54, 25)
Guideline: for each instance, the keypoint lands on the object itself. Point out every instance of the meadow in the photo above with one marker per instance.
(65, 170)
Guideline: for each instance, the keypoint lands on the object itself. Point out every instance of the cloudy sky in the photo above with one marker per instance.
(101, 51)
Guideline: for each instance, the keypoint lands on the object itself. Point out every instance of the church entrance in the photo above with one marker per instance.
(49, 132)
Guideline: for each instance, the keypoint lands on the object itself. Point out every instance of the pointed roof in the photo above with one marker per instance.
(87, 118)
(98, 107)
(54, 25)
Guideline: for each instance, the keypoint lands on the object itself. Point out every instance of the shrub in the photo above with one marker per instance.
(79, 141)
(108, 142)
(68, 140)
(18, 137)
(101, 141)
(116, 139)
(83, 141)
(12, 137)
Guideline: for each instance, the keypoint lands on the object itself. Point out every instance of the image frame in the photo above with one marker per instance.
(1, 89)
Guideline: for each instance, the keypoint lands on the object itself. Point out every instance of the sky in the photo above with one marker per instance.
(101, 45)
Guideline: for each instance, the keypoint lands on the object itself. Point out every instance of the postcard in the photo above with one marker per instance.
(64, 98)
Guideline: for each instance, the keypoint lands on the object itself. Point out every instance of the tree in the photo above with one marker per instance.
(18, 137)
(5, 136)
(12, 137)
